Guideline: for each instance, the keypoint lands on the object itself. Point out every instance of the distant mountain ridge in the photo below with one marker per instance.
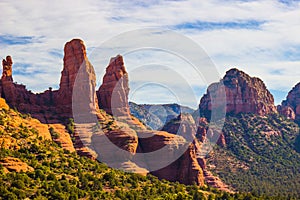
(156, 116)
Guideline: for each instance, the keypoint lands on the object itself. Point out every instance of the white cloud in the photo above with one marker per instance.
(259, 52)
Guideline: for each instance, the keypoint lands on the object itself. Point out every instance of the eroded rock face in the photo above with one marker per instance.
(244, 94)
(15, 165)
(184, 169)
(287, 111)
(184, 125)
(205, 133)
(113, 98)
(291, 106)
(7, 69)
(113, 93)
(76, 65)
(52, 106)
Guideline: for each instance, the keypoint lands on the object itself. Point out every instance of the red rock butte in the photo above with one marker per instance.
(243, 94)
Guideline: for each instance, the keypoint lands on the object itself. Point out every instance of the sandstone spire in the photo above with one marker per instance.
(7, 69)
(76, 65)
(113, 93)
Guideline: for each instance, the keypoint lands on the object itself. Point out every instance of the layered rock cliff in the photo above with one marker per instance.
(291, 106)
(243, 94)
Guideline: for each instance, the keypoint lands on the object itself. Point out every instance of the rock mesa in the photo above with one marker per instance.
(244, 94)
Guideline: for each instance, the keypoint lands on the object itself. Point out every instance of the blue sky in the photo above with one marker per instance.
(260, 37)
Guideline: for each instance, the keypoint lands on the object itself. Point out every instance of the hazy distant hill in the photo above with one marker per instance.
(155, 116)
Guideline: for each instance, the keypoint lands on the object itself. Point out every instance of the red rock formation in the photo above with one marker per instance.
(113, 93)
(76, 65)
(7, 85)
(52, 106)
(113, 98)
(204, 133)
(244, 94)
(15, 165)
(215, 182)
(287, 111)
(7, 69)
(184, 169)
(184, 125)
(291, 106)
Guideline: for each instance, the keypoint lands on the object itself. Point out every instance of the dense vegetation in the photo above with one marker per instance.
(260, 155)
(58, 174)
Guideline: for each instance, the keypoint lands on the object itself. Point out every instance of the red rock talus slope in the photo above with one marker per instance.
(244, 94)
(291, 106)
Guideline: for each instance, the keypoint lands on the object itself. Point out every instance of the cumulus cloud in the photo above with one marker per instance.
(258, 36)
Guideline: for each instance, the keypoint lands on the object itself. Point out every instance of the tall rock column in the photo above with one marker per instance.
(8, 87)
(113, 93)
(7, 69)
(76, 65)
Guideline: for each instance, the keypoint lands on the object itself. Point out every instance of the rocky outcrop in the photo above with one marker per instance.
(15, 165)
(77, 72)
(63, 137)
(184, 167)
(287, 111)
(55, 106)
(8, 90)
(127, 135)
(7, 69)
(215, 182)
(243, 94)
(291, 106)
(184, 125)
(113, 93)
(133, 140)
